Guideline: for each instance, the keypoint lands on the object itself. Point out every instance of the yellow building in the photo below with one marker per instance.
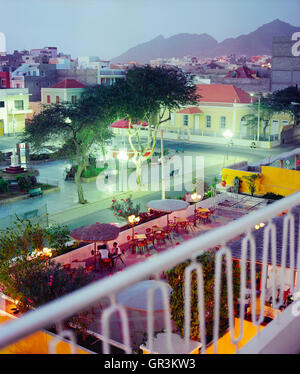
(222, 107)
(14, 106)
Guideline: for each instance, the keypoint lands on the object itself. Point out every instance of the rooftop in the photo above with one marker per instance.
(222, 93)
(69, 83)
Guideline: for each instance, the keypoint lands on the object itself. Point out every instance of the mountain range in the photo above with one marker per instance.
(258, 42)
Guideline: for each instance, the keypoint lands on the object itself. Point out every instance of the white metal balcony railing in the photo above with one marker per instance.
(274, 332)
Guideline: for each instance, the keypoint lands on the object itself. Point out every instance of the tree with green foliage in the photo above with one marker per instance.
(281, 101)
(25, 236)
(148, 95)
(34, 282)
(251, 182)
(175, 278)
(75, 127)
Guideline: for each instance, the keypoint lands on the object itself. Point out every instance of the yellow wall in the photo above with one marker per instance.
(280, 181)
(229, 174)
(36, 343)
(224, 343)
(233, 114)
(216, 111)
(277, 180)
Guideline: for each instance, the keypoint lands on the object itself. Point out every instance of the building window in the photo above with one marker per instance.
(208, 121)
(57, 99)
(2, 104)
(222, 122)
(74, 99)
(48, 99)
(185, 119)
(19, 104)
(284, 123)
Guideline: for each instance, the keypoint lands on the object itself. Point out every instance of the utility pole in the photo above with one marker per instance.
(163, 185)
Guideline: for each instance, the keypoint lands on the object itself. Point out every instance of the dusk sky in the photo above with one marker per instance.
(107, 28)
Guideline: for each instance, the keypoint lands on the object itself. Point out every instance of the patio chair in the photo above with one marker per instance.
(88, 269)
(160, 238)
(67, 267)
(172, 226)
(167, 233)
(131, 243)
(106, 263)
(143, 245)
(191, 225)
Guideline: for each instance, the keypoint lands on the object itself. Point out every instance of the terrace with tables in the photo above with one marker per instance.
(158, 235)
(120, 294)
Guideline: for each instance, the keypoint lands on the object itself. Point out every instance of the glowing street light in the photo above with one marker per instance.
(196, 198)
(122, 155)
(133, 220)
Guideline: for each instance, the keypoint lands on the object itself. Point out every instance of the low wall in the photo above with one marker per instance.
(83, 253)
(277, 180)
(229, 174)
(220, 140)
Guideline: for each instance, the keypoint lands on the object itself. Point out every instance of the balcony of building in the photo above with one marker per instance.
(258, 246)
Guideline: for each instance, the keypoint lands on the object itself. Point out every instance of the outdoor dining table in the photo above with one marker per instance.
(95, 233)
(181, 221)
(167, 206)
(140, 236)
(156, 229)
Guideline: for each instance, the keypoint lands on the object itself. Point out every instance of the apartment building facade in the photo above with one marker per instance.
(14, 106)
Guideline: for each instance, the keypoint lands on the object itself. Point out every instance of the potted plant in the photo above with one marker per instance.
(123, 208)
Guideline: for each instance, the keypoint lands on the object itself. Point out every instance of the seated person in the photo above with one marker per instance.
(103, 250)
(116, 252)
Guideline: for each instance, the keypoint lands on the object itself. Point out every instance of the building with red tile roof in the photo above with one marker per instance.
(222, 93)
(69, 83)
(191, 110)
(242, 72)
(67, 90)
(220, 107)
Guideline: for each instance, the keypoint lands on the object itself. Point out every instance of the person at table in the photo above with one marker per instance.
(116, 252)
(103, 250)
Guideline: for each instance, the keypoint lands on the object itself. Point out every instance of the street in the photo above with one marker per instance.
(62, 206)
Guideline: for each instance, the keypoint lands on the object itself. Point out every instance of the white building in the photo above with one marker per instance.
(14, 105)
(92, 62)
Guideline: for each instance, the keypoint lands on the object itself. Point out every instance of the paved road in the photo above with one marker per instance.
(62, 206)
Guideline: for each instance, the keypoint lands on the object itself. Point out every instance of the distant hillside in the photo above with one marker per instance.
(258, 42)
(176, 46)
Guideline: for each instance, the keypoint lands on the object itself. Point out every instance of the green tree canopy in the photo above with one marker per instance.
(281, 101)
(73, 127)
(149, 94)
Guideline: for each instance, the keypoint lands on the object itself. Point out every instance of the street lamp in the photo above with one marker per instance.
(258, 115)
(196, 198)
(122, 156)
(228, 135)
(133, 220)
